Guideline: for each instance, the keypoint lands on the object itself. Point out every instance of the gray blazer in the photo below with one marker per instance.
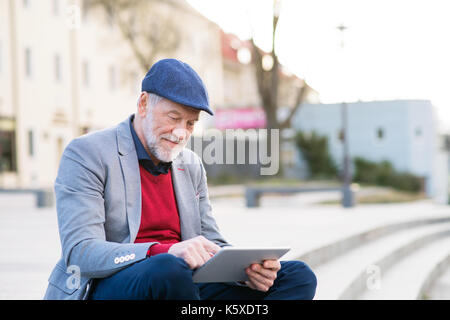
(98, 202)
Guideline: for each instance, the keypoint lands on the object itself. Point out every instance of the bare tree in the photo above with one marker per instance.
(145, 25)
(268, 80)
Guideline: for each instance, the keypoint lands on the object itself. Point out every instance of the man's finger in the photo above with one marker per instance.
(195, 258)
(258, 277)
(204, 254)
(199, 244)
(259, 280)
(272, 264)
(190, 262)
(210, 246)
(256, 285)
(267, 273)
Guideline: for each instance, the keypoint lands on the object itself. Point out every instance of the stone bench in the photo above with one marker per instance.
(44, 197)
(253, 193)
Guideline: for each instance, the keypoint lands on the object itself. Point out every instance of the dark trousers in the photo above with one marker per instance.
(165, 276)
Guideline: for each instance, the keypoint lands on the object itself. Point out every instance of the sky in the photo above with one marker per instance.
(392, 49)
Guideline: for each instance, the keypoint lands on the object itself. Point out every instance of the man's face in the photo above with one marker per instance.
(167, 127)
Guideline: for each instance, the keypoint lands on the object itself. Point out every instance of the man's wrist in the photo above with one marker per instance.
(158, 248)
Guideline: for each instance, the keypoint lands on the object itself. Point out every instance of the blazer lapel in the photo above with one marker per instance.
(131, 176)
(185, 196)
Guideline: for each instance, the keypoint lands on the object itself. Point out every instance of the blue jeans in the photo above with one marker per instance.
(165, 276)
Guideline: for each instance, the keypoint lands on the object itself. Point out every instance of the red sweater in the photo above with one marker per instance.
(160, 221)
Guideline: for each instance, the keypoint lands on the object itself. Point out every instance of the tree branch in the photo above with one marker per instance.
(301, 95)
(149, 40)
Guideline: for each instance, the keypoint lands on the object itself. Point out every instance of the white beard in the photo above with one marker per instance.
(153, 142)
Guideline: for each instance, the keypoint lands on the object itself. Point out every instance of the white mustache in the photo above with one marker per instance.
(170, 138)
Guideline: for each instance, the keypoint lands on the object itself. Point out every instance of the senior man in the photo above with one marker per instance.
(133, 210)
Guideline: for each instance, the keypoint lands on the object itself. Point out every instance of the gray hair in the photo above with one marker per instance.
(153, 99)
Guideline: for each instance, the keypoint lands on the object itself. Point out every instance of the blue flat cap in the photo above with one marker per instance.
(178, 82)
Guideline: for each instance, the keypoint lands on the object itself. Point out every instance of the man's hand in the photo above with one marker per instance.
(262, 276)
(195, 252)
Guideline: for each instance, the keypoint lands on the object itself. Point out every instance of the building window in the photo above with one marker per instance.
(30, 143)
(134, 83)
(288, 157)
(341, 135)
(57, 65)
(110, 17)
(7, 146)
(380, 134)
(84, 11)
(59, 148)
(112, 78)
(418, 132)
(1, 58)
(85, 74)
(56, 7)
(28, 62)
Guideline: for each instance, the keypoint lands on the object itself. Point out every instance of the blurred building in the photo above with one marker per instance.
(403, 132)
(242, 108)
(66, 70)
(242, 105)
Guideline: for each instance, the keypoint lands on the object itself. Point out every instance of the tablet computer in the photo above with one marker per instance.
(229, 263)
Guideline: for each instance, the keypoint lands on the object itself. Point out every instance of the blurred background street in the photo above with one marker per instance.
(331, 131)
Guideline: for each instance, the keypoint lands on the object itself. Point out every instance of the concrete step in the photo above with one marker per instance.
(411, 266)
(335, 249)
(336, 275)
(437, 284)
